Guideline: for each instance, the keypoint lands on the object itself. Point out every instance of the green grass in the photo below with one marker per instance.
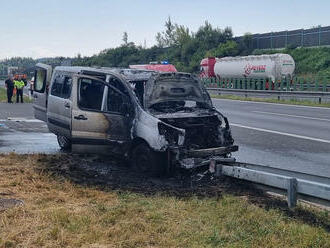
(272, 100)
(60, 213)
(3, 97)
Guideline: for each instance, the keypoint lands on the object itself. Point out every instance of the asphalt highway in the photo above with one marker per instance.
(278, 135)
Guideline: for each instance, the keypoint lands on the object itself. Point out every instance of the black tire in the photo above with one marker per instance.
(144, 159)
(64, 142)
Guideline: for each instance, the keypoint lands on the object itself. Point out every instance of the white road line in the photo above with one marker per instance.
(282, 133)
(269, 103)
(295, 116)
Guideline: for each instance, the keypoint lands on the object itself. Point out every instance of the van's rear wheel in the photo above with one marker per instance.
(64, 142)
(145, 160)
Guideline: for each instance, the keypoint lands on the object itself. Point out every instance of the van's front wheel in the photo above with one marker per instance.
(145, 160)
(64, 142)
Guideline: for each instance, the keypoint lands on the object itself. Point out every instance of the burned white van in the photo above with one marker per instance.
(158, 121)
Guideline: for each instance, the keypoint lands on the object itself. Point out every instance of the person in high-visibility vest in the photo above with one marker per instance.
(19, 85)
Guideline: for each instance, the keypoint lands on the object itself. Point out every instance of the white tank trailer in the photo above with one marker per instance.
(271, 66)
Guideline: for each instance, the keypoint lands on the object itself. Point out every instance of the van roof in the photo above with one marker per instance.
(82, 69)
(128, 74)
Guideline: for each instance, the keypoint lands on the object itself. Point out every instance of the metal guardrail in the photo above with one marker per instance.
(319, 97)
(295, 184)
(317, 84)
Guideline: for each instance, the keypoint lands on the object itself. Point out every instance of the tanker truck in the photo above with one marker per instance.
(272, 67)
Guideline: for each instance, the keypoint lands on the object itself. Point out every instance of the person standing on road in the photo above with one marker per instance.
(19, 85)
(31, 87)
(10, 88)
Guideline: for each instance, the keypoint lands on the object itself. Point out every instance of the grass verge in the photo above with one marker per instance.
(272, 100)
(3, 97)
(60, 213)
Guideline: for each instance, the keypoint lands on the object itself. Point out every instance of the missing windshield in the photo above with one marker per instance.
(172, 95)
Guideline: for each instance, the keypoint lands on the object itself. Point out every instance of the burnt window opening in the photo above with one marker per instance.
(90, 94)
(62, 86)
(67, 86)
(117, 102)
(139, 90)
(115, 82)
(57, 86)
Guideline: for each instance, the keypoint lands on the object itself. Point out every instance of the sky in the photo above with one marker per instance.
(46, 28)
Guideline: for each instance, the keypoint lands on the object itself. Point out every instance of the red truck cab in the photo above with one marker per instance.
(207, 67)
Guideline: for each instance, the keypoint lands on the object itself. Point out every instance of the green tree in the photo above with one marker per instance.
(230, 48)
(167, 37)
(125, 38)
(181, 35)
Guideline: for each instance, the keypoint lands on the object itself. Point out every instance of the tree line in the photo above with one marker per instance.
(176, 44)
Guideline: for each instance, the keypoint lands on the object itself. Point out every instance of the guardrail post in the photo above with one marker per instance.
(308, 84)
(218, 170)
(292, 192)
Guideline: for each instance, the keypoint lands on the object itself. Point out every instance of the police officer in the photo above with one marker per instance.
(19, 85)
(10, 88)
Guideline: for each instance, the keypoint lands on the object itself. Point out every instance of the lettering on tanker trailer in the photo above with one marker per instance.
(273, 66)
(254, 68)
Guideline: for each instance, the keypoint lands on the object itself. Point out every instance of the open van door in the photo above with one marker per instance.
(42, 77)
(99, 116)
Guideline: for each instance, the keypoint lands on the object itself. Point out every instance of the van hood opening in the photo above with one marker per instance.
(171, 93)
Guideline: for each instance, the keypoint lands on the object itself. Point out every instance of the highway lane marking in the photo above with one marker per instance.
(281, 133)
(269, 103)
(296, 116)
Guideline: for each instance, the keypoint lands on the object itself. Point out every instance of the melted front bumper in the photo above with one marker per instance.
(189, 159)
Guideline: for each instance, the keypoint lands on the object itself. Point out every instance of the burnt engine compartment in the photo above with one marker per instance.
(202, 132)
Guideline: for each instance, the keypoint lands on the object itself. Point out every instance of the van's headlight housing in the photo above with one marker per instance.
(224, 121)
(172, 135)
